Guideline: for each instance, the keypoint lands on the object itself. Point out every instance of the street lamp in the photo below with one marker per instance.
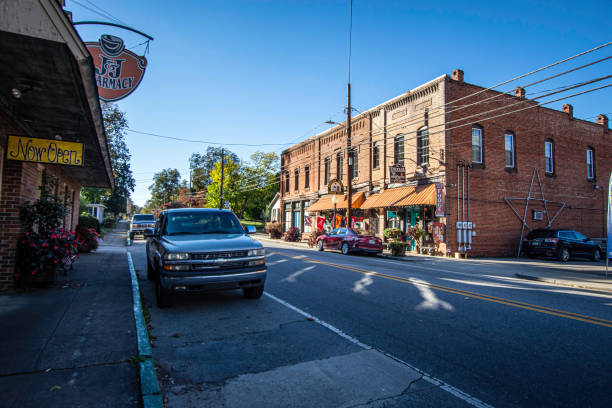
(335, 202)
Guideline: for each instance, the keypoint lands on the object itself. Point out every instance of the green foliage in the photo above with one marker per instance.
(108, 222)
(202, 165)
(115, 125)
(416, 232)
(38, 256)
(165, 187)
(397, 248)
(392, 233)
(231, 183)
(312, 238)
(46, 213)
(88, 221)
(292, 235)
(275, 229)
(258, 184)
(88, 237)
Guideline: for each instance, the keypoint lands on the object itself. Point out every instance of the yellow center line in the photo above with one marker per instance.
(514, 303)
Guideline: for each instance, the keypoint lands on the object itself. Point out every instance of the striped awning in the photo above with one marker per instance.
(402, 197)
(326, 204)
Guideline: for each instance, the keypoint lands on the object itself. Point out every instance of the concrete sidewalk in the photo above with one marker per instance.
(73, 344)
(579, 273)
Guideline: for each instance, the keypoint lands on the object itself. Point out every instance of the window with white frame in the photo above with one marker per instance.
(376, 155)
(549, 156)
(423, 146)
(398, 150)
(509, 149)
(590, 159)
(476, 144)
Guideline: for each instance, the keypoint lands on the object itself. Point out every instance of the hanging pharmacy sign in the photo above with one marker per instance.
(118, 70)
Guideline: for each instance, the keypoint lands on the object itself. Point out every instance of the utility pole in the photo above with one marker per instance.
(349, 160)
(221, 200)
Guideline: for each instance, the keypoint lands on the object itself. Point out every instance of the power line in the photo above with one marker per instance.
(483, 120)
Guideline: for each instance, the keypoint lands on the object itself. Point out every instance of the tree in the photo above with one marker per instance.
(231, 184)
(201, 165)
(115, 123)
(258, 184)
(165, 186)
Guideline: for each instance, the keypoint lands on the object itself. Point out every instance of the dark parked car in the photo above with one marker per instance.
(202, 250)
(140, 222)
(560, 243)
(349, 240)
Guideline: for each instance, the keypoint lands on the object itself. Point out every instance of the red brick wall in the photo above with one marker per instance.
(20, 184)
(498, 229)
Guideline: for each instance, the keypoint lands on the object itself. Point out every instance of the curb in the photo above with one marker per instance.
(149, 387)
(561, 282)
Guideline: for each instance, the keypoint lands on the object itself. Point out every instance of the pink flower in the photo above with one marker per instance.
(33, 273)
(32, 245)
(55, 261)
(55, 247)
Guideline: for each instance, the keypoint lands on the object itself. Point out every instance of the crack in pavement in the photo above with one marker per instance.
(48, 370)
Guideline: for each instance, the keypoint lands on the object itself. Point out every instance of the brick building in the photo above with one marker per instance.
(48, 94)
(470, 157)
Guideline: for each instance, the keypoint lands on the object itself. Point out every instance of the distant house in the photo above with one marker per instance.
(274, 208)
(97, 211)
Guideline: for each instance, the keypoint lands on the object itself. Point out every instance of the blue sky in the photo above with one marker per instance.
(275, 71)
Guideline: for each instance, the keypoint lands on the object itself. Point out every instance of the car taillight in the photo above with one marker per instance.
(552, 240)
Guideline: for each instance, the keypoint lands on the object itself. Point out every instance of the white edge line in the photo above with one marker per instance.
(446, 387)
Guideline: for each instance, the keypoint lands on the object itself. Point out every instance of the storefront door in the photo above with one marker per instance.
(412, 214)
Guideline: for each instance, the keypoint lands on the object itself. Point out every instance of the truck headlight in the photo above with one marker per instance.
(176, 256)
(256, 252)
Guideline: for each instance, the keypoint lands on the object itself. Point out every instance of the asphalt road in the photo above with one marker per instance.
(334, 330)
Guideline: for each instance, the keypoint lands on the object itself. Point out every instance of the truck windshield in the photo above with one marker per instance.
(144, 217)
(203, 222)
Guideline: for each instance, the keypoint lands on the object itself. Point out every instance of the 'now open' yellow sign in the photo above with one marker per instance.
(44, 151)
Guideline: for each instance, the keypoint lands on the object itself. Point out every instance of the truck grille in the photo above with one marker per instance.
(216, 255)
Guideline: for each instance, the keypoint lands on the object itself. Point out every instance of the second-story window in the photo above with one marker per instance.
(354, 164)
(509, 149)
(339, 166)
(307, 177)
(423, 146)
(286, 182)
(297, 179)
(476, 144)
(590, 160)
(376, 155)
(549, 156)
(398, 150)
(327, 169)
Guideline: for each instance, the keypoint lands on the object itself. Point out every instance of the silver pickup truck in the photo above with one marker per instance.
(140, 222)
(202, 250)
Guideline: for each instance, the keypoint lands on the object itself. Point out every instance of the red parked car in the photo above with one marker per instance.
(349, 240)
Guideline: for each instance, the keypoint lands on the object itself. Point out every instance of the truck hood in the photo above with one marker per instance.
(209, 242)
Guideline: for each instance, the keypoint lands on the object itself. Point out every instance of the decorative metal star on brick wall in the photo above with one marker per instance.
(529, 197)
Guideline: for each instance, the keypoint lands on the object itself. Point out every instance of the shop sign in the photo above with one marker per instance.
(118, 71)
(439, 200)
(391, 214)
(397, 174)
(44, 151)
(335, 186)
